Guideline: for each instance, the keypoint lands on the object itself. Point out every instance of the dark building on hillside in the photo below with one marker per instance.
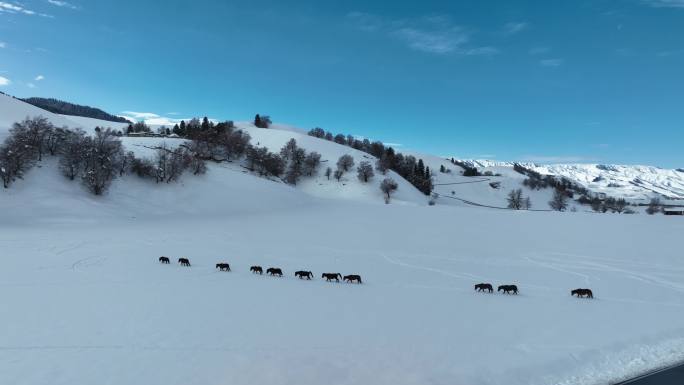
(674, 211)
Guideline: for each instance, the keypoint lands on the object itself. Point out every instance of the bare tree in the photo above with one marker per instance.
(289, 149)
(311, 163)
(143, 168)
(654, 206)
(365, 171)
(388, 186)
(72, 154)
(620, 205)
(294, 171)
(328, 172)
(345, 163)
(338, 174)
(559, 202)
(515, 199)
(527, 203)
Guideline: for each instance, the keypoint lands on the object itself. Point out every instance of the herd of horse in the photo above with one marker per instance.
(304, 274)
(513, 289)
(275, 271)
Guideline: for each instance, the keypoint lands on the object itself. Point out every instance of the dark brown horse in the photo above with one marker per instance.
(184, 261)
(508, 289)
(332, 276)
(164, 260)
(223, 266)
(274, 271)
(582, 293)
(256, 270)
(353, 278)
(303, 274)
(484, 287)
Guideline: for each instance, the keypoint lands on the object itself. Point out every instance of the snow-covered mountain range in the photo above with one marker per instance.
(633, 182)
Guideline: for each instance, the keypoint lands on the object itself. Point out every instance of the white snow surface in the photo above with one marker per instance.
(86, 302)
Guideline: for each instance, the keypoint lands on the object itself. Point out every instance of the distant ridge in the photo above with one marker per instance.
(65, 108)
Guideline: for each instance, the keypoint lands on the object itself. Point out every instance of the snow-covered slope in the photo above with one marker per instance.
(348, 188)
(14, 110)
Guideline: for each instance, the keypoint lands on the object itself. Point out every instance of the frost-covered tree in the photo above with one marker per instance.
(388, 186)
(33, 133)
(559, 202)
(103, 152)
(338, 174)
(345, 163)
(16, 158)
(365, 171)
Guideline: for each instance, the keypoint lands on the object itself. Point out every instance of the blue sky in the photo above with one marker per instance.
(545, 81)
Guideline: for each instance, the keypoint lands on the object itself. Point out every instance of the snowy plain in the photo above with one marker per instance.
(86, 301)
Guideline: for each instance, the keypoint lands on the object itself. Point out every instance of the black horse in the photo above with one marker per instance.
(582, 293)
(184, 261)
(164, 260)
(330, 276)
(274, 271)
(508, 289)
(484, 287)
(223, 266)
(353, 278)
(256, 270)
(303, 274)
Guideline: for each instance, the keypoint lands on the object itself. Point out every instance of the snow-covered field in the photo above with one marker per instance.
(84, 300)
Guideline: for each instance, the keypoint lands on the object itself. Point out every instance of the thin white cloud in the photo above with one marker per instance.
(39, 78)
(435, 34)
(15, 8)
(665, 3)
(513, 28)
(481, 51)
(30, 85)
(140, 115)
(4, 81)
(439, 42)
(3, 44)
(551, 62)
(62, 4)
